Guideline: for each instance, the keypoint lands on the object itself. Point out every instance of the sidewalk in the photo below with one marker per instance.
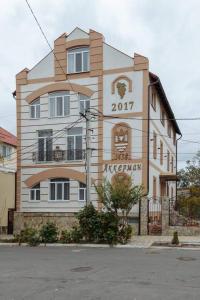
(147, 240)
(136, 242)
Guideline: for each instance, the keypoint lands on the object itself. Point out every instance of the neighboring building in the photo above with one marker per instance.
(83, 72)
(8, 146)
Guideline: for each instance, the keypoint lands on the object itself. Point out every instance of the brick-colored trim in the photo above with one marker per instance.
(60, 58)
(55, 173)
(59, 86)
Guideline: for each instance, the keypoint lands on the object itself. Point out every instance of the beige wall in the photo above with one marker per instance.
(7, 196)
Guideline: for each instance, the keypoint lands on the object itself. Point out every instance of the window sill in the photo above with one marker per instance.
(82, 72)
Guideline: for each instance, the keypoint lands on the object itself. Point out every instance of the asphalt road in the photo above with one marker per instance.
(94, 274)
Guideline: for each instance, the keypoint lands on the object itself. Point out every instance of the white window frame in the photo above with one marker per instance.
(34, 190)
(56, 183)
(84, 189)
(75, 148)
(83, 99)
(74, 52)
(55, 97)
(35, 105)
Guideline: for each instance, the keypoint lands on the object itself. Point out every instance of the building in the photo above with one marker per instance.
(84, 71)
(8, 146)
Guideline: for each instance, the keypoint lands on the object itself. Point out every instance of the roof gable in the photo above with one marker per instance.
(7, 137)
(77, 33)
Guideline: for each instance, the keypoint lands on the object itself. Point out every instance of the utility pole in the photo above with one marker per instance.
(88, 156)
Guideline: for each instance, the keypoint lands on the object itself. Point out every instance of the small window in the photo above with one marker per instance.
(162, 116)
(59, 104)
(84, 103)
(174, 137)
(74, 144)
(154, 145)
(78, 60)
(35, 193)
(59, 189)
(6, 151)
(153, 100)
(161, 152)
(154, 188)
(172, 164)
(168, 159)
(35, 109)
(82, 191)
(169, 130)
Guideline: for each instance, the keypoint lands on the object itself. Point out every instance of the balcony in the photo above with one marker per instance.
(58, 155)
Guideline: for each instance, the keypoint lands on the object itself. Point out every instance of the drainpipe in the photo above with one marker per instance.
(176, 159)
(148, 135)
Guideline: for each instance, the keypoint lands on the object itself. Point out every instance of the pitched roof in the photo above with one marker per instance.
(7, 137)
(165, 101)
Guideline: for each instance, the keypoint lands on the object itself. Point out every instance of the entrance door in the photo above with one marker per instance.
(10, 221)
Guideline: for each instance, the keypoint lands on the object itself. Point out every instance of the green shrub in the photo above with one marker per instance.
(125, 234)
(89, 223)
(49, 233)
(34, 238)
(76, 234)
(175, 239)
(28, 235)
(108, 228)
(65, 237)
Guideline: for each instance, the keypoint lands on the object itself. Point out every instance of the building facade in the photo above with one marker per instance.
(8, 147)
(132, 127)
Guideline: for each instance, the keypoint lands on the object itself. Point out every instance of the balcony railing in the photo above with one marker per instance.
(58, 155)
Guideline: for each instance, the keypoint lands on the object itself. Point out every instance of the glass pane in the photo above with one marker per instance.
(49, 149)
(82, 108)
(70, 150)
(32, 195)
(37, 111)
(52, 107)
(78, 62)
(82, 185)
(59, 191)
(66, 105)
(70, 63)
(41, 149)
(85, 61)
(74, 131)
(79, 142)
(45, 133)
(87, 104)
(81, 194)
(79, 147)
(59, 179)
(37, 194)
(32, 111)
(66, 191)
(59, 106)
(52, 191)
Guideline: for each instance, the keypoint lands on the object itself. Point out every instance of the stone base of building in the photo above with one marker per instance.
(35, 220)
(3, 229)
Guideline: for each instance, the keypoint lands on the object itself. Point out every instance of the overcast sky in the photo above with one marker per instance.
(165, 31)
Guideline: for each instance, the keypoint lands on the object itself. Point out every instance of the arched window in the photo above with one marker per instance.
(84, 102)
(78, 60)
(59, 189)
(121, 142)
(35, 109)
(82, 191)
(35, 192)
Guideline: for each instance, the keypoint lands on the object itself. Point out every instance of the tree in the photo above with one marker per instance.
(120, 196)
(190, 175)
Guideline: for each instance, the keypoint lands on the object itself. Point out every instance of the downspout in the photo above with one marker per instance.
(177, 160)
(148, 135)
